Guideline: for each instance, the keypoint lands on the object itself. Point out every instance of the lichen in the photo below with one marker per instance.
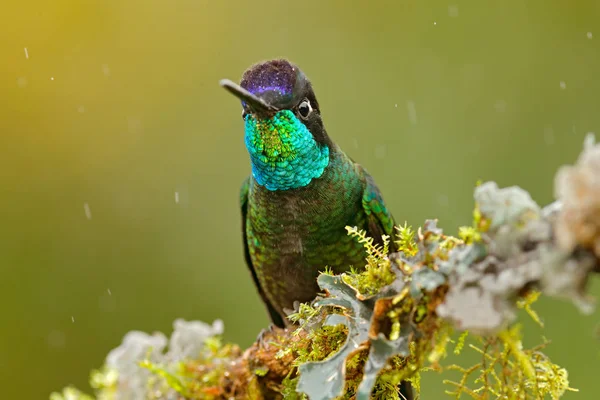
(578, 189)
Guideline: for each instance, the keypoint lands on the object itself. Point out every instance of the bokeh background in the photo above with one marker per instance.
(109, 108)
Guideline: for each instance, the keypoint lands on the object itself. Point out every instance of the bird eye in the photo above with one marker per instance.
(244, 113)
(304, 109)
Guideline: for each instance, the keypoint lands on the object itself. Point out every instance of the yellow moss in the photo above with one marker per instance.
(469, 234)
(377, 272)
(531, 297)
(460, 343)
(506, 370)
(305, 313)
(480, 223)
(441, 340)
(171, 379)
(405, 240)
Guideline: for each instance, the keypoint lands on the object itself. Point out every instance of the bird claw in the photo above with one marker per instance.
(261, 336)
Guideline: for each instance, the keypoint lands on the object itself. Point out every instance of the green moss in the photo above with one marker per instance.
(405, 240)
(306, 312)
(288, 390)
(172, 380)
(507, 370)
(460, 343)
(320, 344)
(377, 272)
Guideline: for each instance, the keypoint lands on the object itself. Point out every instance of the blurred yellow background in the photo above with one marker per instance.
(108, 108)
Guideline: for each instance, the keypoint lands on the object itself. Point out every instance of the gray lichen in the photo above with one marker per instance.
(578, 189)
(520, 253)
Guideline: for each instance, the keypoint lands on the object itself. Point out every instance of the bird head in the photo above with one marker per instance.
(285, 137)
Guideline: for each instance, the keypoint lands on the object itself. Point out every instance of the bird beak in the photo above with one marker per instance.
(255, 103)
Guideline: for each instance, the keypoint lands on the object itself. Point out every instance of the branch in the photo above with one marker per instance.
(371, 332)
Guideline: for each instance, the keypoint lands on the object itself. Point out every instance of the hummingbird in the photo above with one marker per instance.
(302, 193)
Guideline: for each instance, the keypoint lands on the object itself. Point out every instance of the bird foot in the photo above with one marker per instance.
(263, 336)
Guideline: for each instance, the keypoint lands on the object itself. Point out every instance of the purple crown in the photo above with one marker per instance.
(274, 75)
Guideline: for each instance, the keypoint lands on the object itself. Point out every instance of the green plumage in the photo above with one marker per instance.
(290, 236)
(303, 191)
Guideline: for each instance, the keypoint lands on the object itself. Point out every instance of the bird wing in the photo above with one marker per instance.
(275, 316)
(380, 220)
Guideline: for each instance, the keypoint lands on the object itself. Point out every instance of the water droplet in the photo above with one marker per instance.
(72, 319)
(105, 70)
(176, 197)
(453, 11)
(88, 212)
(396, 105)
(589, 35)
(500, 106)
(51, 78)
(81, 109)
(476, 142)
(22, 82)
(56, 339)
(563, 85)
(106, 303)
(443, 200)
(26, 53)
(134, 125)
(435, 23)
(109, 292)
(412, 112)
(549, 135)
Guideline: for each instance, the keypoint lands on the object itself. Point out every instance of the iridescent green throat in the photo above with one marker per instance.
(283, 152)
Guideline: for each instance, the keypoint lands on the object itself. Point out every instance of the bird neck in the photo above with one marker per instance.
(283, 153)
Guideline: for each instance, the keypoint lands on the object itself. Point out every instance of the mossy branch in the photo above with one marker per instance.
(373, 332)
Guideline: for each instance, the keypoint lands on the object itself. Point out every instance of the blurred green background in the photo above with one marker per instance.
(108, 108)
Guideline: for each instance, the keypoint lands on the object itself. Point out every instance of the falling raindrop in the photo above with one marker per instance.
(26, 53)
(51, 78)
(176, 197)
(134, 125)
(549, 135)
(88, 212)
(453, 11)
(412, 112)
(72, 319)
(443, 200)
(105, 70)
(589, 35)
(81, 109)
(563, 85)
(56, 339)
(22, 82)
(106, 303)
(500, 106)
